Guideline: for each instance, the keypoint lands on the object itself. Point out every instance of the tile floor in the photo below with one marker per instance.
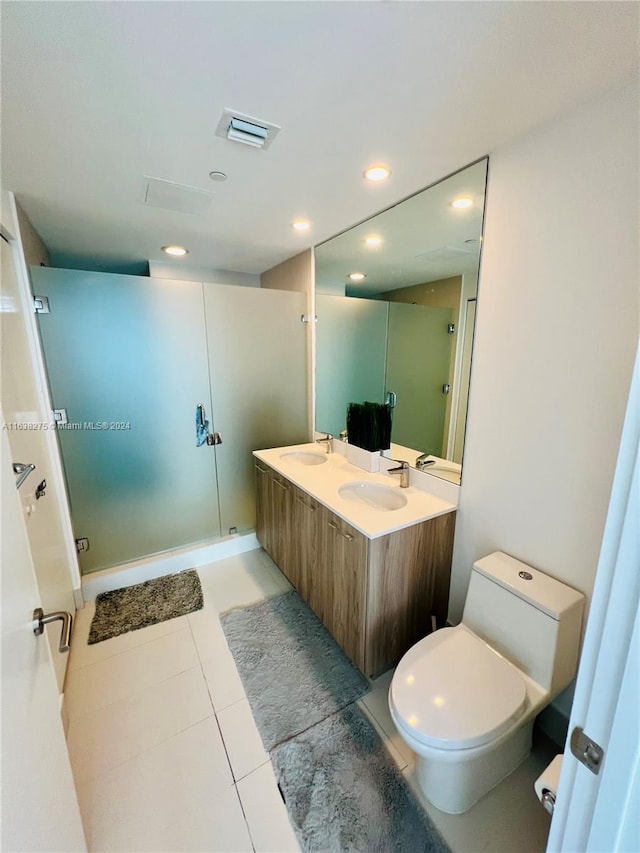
(166, 755)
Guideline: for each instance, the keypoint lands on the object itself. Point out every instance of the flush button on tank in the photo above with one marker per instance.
(526, 576)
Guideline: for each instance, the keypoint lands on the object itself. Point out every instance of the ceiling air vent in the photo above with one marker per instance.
(239, 127)
(157, 192)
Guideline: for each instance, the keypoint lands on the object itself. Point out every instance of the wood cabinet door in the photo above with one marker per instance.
(264, 507)
(283, 532)
(306, 512)
(342, 584)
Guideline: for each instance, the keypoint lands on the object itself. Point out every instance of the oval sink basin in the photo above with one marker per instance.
(305, 457)
(385, 498)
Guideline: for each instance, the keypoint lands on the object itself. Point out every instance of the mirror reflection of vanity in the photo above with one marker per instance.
(395, 301)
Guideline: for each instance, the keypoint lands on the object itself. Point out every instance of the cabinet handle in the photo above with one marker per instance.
(347, 536)
(282, 485)
(308, 506)
(261, 470)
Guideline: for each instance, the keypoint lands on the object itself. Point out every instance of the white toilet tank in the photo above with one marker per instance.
(528, 617)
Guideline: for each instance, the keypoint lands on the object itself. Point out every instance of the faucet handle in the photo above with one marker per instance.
(327, 440)
(402, 469)
(423, 461)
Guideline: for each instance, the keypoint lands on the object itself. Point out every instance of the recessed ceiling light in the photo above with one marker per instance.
(175, 251)
(217, 176)
(377, 172)
(357, 276)
(301, 225)
(373, 240)
(462, 202)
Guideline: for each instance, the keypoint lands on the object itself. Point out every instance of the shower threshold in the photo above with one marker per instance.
(167, 562)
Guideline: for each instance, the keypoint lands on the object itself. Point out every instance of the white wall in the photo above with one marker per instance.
(293, 274)
(555, 339)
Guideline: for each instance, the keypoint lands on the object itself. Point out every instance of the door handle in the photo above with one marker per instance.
(22, 471)
(40, 620)
(346, 536)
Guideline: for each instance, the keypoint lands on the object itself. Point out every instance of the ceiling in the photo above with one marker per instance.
(98, 95)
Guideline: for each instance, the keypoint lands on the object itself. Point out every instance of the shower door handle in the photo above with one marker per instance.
(214, 438)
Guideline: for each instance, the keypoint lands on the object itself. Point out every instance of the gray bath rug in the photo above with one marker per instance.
(293, 671)
(344, 793)
(145, 604)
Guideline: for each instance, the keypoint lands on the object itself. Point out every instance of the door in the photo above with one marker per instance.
(339, 597)
(39, 805)
(598, 812)
(418, 338)
(305, 541)
(282, 495)
(264, 506)
(127, 361)
(464, 382)
(26, 425)
(257, 363)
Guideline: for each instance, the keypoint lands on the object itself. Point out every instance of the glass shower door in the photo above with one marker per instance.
(257, 363)
(418, 361)
(127, 361)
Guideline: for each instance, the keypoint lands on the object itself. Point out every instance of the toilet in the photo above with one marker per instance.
(464, 699)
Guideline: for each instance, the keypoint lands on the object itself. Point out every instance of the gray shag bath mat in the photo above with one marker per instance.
(145, 604)
(344, 793)
(293, 671)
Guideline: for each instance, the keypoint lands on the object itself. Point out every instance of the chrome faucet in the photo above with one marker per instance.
(403, 470)
(327, 441)
(423, 461)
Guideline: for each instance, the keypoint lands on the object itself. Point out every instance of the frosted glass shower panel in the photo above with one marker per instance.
(258, 364)
(351, 340)
(418, 358)
(126, 358)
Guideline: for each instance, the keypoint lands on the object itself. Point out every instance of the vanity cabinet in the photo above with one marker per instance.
(339, 598)
(375, 596)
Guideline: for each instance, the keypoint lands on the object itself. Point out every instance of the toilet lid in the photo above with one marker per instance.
(452, 691)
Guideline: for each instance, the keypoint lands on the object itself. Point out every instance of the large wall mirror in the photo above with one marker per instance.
(395, 300)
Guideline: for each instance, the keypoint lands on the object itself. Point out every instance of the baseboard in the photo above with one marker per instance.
(139, 571)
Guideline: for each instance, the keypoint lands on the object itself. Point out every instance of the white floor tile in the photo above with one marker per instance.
(266, 813)
(240, 580)
(207, 633)
(219, 827)
(83, 654)
(241, 739)
(100, 684)
(223, 681)
(102, 739)
(155, 789)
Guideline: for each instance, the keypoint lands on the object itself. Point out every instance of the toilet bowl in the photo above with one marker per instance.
(464, 699)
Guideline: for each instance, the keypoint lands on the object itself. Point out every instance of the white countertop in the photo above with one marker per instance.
(323, 481)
